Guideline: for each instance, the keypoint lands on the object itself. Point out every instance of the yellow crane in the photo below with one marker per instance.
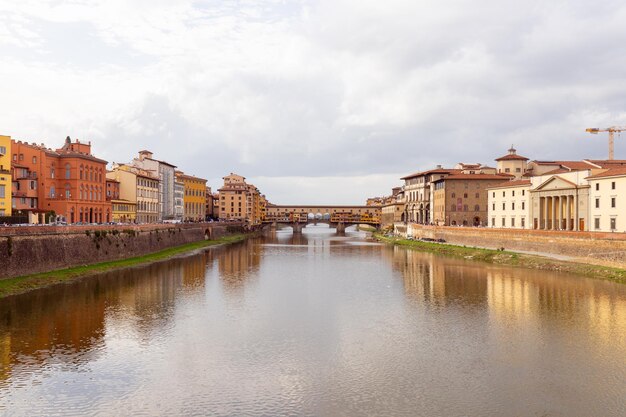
(611, 131)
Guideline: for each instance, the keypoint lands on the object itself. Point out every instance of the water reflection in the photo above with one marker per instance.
(316, 324)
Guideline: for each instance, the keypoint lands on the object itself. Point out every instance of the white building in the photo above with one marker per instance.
(509, 205)
(166, 177)
(607, 194)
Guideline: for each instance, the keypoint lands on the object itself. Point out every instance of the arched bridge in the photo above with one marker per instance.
(338, 217)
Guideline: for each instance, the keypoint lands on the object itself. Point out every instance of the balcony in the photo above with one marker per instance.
(27, 176)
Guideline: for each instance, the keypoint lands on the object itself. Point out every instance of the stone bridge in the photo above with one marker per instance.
(338, 217)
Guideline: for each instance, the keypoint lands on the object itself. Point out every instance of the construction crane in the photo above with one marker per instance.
(611, 131)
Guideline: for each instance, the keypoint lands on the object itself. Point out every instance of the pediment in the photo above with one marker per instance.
(556, 183)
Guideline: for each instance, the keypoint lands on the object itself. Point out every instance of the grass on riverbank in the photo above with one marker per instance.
(510, 258)
(17, 285)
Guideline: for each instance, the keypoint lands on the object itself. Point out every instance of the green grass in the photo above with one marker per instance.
(509, 258)
(17, 285)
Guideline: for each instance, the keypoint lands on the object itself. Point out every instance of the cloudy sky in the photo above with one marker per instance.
(326, 101)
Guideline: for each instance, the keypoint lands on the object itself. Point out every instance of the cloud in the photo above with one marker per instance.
(322, 89)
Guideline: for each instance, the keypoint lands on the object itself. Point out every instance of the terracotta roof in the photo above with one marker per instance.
(608, 163)
(557, 171)
(430, 171)
(612, 172)
(513, 183)
(512, 157)
(570, 165)
(477, 177)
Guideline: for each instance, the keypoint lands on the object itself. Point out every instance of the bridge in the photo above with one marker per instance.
(339, 217)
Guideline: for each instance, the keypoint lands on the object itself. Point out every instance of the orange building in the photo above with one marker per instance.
(71, 182)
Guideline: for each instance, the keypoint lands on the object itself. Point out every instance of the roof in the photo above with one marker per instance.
(613, 172)
(483, 177)
(161, 162)
(557, 171)
(430, 171)
(607, 163)
(512, 157)
(191, 177)
(514, 183)
(570, 165)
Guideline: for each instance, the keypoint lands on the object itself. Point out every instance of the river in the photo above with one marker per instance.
(316, 324)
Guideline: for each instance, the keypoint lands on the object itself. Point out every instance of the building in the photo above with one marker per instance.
(461, 199)
(179, 201)
(509, 204)
(25, 202)
(194, 197)
(240, 200)
(165, 172)
(124, 211)
(140, 188)
(419, 191)
(6, 180)
(122, 192)
(71, 181)
(393, 207)
(513, 164)
(208, 204)
(608, 199)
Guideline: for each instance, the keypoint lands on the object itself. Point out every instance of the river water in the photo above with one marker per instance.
(316, 324)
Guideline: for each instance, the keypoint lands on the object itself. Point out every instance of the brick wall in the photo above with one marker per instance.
(607, 249)
(28, 250)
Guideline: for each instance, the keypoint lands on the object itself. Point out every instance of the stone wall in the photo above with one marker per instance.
(28, 250)
(608, 249)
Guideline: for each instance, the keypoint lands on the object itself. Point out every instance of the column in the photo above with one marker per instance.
(575, 204)
(545, 213)
(568, 211)
(559, 213)
(553, 217)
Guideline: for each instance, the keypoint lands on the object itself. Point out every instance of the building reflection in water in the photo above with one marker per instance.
(515, 297)
(68, 322)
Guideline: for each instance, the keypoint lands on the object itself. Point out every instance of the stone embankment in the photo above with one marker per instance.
(30, 250)
(606, 249)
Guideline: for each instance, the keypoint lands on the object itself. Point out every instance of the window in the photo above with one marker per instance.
(613, 223)
(503, 206)
(523, 204)
(512, 206)
(3, 150)
(518, 169)
(453, 195)
(596, 223)
(523, 222)
(613, 185)
(21, 157)
(465, 207)
(503, 193)
(513, 193)
(503, 222)
(597, 186)
(2, 191)
(612, 202)
(477, 195)
(523, 192)
(597, 202)
(507, 169)
(494, 194)
(15, 157)
(34, 159)
(52, 171)
(512, 221)
(476, 207)
(52, 191)
(493, 222)
(67, 171)
(494, 206)
(465, 195)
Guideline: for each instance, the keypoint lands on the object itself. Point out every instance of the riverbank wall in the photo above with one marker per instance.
(606, 249)
(30, 250)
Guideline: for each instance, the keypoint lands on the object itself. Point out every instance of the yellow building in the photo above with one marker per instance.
(124, 211)
(5, 175)
(241, 201)
(194, 198)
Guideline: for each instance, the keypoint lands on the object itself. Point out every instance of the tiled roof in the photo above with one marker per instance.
(514, 183)
(613, 172)
(430, 171)
(512, 157)
(477, 177)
